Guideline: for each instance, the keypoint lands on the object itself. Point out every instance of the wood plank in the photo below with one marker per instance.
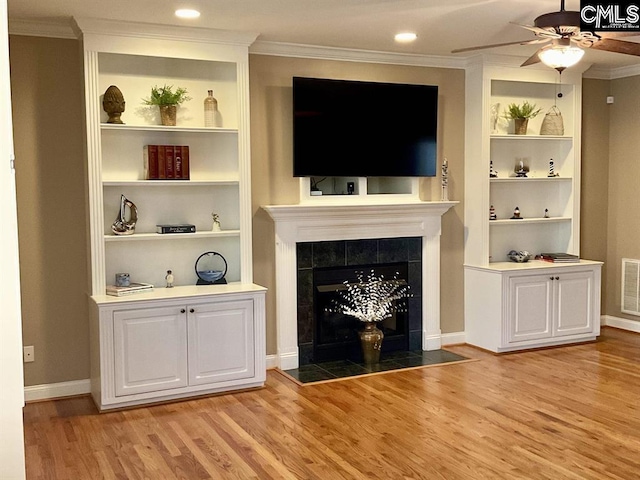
(561, 413)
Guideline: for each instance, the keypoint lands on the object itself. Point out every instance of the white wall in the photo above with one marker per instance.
(11, 391)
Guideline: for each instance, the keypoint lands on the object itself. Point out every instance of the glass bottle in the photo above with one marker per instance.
(210, 110)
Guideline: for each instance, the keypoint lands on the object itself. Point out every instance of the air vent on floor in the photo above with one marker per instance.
(631, 286)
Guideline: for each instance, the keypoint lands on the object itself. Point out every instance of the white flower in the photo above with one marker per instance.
(373, 299)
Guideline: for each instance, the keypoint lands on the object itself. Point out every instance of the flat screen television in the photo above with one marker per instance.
(345, 128)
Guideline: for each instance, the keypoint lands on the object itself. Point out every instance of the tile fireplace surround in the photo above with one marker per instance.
(317, 222)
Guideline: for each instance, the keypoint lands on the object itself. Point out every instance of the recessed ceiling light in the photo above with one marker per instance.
(187, 13)
(405, 37)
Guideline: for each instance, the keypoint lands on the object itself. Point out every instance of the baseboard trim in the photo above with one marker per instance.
(621, 323)
(49, 391)
(272, 361)
(454, 338)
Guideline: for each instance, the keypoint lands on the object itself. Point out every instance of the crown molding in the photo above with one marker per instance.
(42, 28)
(354, 55)
(612, 73)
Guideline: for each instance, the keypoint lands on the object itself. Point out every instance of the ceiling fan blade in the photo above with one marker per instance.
(532, 59)
(617, 46)
(618, 34)
(538, 31)
(521, 42)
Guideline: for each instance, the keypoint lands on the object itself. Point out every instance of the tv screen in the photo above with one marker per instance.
(363, 129)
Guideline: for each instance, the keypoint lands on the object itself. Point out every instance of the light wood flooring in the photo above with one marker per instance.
(561, 413)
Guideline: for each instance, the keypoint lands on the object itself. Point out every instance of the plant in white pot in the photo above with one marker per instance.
(371, 300)
(521, 114)
(167, 100)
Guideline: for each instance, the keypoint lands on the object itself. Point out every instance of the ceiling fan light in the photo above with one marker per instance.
(560, 56)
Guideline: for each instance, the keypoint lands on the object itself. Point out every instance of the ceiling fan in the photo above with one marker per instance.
(560, 31)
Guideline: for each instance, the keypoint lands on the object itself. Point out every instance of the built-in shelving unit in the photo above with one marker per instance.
(537, 303)
(184, 339)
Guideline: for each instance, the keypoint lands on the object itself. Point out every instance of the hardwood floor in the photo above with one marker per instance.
(563, 413)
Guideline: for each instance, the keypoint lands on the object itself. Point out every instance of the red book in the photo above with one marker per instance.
(185, 162)
(177, 154)
(151, 162)
(162, 172)
(170, 162)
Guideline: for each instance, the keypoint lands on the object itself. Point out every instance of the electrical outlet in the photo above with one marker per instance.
(610, 100)
(28, 354)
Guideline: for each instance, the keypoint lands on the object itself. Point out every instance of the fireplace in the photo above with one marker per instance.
(322, 267)
(298, 226)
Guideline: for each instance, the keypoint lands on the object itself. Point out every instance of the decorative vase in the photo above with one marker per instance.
(371, 341)
(122, 225)
(168, 115)
(521, 125)
(210, 110)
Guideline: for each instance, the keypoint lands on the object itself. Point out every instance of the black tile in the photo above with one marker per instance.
(388, 362)
(304, 255)
(415, 313)
(362, 252)
(305, 353)
(414, 270)
(329, 254)
(415, 340)
(414, 245)
(305, 324)
(305, 287)
(393, 250)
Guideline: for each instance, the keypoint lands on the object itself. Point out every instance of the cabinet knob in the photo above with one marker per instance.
(557, 278)
(182, 310)
(191, 310)
(550, 278)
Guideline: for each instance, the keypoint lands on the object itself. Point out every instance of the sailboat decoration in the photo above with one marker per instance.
(122, 226)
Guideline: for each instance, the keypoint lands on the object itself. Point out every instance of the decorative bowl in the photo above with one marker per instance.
(521, 256)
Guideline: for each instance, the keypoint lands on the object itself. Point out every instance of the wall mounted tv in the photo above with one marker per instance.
(344, 128)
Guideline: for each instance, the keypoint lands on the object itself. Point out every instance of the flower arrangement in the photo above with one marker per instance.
(371, 299)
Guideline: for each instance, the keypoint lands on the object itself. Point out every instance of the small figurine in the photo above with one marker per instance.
(492, 172)
(492, 213)
(169, 279)
(445, 181)
(546, 213)
(122, 226)
(521, 170)
(516, 214)
(551, 170)
(216, 223)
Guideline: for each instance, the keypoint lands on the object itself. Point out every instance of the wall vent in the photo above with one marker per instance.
(631, 286)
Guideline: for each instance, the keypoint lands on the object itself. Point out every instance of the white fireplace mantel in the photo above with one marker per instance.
(317, 223)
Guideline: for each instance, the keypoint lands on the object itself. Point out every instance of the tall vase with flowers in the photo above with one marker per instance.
(371, 299)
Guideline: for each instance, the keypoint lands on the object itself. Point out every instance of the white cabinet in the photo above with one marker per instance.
(513, 306)
(150, 349)
(189, 341)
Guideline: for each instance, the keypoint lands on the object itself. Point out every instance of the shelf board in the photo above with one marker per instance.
(170, 183)
(524, 221)
(530, 137)
(162, 128)
(529, 179)
(169, 236)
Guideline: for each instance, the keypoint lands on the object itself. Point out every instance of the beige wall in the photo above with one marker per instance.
(594, 189)
(271, 147)
(48, 124)
(623, 225)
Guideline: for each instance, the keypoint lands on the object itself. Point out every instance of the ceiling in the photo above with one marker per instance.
(441, 25)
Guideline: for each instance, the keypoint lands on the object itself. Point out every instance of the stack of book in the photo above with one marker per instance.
(559, 257)
(131, 289)
(166, 162)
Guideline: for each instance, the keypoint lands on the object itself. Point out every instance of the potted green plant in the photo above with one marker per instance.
(521, 114)
(167, 100)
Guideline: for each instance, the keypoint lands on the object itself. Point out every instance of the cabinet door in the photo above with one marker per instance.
(574, 303)
(150, 350)
(530, 309)
(221, 342)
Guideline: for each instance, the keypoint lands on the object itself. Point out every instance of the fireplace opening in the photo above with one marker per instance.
(335, 334)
